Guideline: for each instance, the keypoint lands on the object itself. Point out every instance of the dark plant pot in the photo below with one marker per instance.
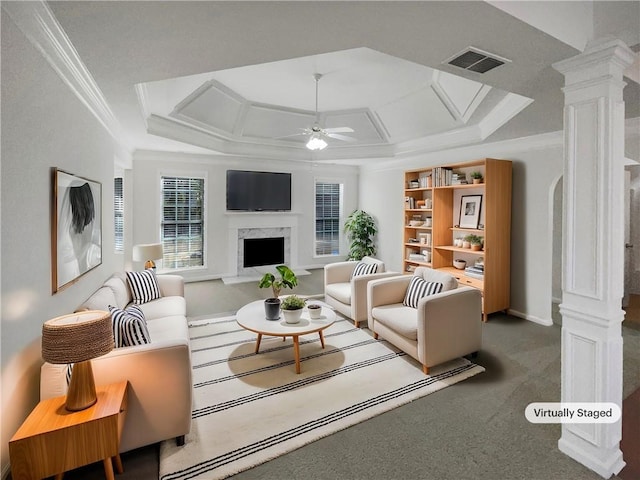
(272, 308)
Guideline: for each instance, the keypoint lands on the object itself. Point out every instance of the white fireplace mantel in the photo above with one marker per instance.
(261, 220)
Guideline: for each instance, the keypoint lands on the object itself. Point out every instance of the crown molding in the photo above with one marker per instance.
(36, 20)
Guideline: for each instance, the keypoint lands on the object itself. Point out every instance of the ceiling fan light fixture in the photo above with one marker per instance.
(316, 142)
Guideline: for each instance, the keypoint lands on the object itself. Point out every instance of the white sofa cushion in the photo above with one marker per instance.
(164, 307)
(399, 318)
(100, 300)
(118, 283)
(169, 328)
(339, 291)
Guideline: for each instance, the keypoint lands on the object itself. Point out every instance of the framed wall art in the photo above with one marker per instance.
(76, 227)
(470, 211)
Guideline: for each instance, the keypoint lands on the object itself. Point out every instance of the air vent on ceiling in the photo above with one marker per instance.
(476, 60)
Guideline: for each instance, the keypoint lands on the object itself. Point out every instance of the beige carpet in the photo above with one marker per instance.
(250, 408)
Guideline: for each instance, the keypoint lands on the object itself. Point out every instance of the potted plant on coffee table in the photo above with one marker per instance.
(287, 279)
(291, 307)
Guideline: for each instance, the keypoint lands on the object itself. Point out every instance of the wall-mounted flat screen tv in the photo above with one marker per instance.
(258, 191)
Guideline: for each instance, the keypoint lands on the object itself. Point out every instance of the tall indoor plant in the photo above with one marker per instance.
(360, 228)
(287, 279)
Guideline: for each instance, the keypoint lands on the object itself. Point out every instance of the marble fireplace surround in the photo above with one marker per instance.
(260, 225)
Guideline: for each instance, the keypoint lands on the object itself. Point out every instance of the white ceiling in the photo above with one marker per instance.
(384, 99)
(378, 59)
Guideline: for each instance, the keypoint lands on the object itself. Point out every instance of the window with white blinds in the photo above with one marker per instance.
(182, 226)
(118, 215)
(328, 205)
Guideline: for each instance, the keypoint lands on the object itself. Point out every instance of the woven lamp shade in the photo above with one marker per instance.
(77, 337)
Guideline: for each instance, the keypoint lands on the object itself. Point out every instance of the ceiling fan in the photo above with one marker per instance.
(317, 133)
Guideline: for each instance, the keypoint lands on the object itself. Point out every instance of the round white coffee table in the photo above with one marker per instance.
(252, 317)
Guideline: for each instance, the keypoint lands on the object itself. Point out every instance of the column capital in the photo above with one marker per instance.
(603, 57)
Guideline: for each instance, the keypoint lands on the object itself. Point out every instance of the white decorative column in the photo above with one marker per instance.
(593, 247)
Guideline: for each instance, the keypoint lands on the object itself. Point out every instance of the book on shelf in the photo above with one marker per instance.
(409, 203)
(475, 268)
(424, 180)
(458, 178)
(474, 272)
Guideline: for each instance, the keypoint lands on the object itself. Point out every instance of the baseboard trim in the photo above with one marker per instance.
(531, 318)
(612, 466)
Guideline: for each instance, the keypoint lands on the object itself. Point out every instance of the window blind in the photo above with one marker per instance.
(182, 222)
(118, 215)
(327, 235)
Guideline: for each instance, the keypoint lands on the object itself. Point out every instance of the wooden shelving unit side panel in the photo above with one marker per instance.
(497, 281)
(419, 193)
(442, 223)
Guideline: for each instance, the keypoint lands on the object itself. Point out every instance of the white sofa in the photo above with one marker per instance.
(348, 294)
(445, 326)
(159, 373)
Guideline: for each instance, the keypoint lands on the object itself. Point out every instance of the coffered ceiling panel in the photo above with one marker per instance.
(272, 123)
(364, 127)
(210, 106)
(416, 115)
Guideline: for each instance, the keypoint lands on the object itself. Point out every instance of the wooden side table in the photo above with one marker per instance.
(53, 440)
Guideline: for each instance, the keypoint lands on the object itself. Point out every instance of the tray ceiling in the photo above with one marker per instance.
(385, 100)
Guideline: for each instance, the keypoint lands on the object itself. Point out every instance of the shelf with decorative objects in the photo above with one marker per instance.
(462, 202)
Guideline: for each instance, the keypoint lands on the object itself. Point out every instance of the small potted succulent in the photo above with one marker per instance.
(287, 279)
(315, 310)
(475, 242)
(291, 307)
(476, 177)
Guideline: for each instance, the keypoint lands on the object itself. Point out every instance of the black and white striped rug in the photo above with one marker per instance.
(250, 408)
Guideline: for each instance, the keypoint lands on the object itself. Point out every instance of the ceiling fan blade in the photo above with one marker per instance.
(339, 130)
(344, 138)
(292, 135)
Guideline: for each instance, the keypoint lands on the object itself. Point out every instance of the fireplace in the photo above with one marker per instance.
(261, 242)
(263, 251)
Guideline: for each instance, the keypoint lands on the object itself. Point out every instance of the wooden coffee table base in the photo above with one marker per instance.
(296, 346)
(251, 317)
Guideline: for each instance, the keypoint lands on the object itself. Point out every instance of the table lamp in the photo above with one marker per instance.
(77, 338)
(147, 253)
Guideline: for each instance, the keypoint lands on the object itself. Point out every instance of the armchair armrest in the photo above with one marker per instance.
(171, 285)
(338, 272)
(449, 325)
(359, 293)
(386, 291)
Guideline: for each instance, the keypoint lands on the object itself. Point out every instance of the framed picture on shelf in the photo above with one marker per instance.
(470, 211)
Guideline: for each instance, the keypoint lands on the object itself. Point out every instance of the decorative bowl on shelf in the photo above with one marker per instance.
(459, 264)
(415, 223)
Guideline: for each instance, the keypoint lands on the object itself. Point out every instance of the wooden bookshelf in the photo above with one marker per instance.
(445, 202)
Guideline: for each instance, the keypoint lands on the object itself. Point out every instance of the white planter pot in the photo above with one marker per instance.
(292, 316)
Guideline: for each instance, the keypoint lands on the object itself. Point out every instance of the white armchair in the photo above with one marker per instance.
(444, 326)
(348, 294)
